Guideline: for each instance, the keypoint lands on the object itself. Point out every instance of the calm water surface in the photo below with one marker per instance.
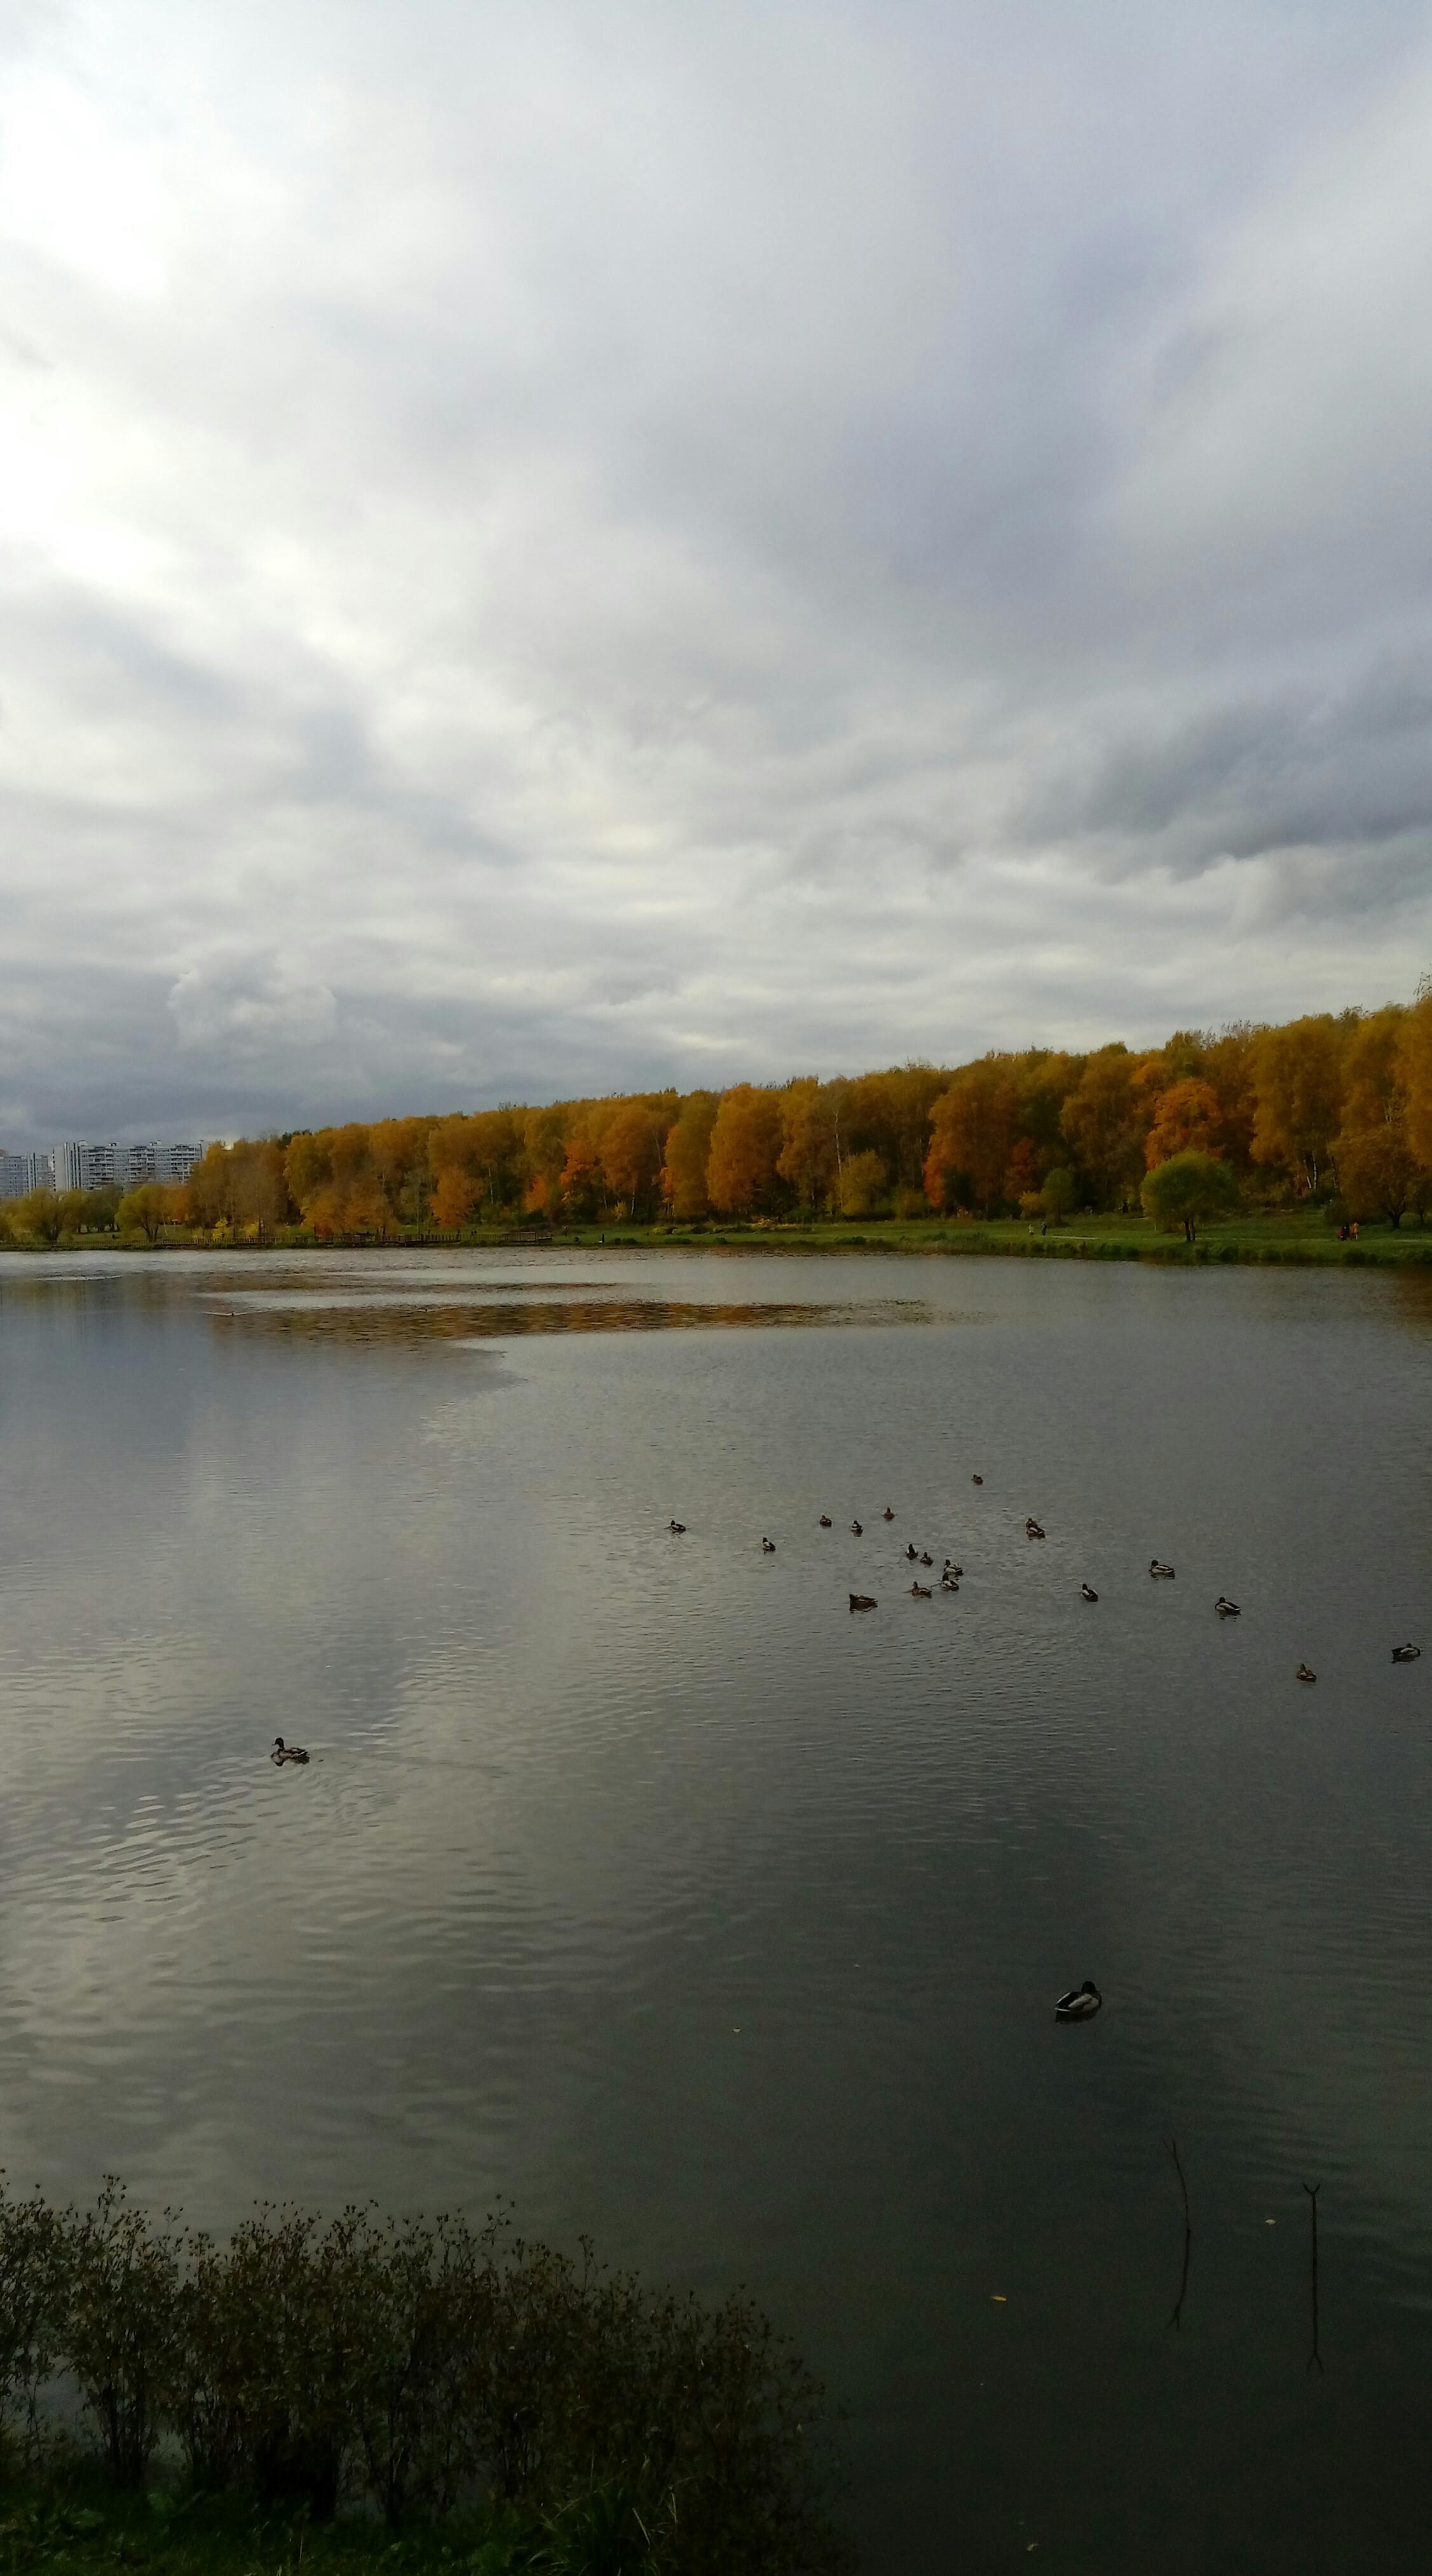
(635, 1879)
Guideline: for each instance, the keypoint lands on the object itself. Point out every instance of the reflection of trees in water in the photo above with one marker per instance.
(486, 1322)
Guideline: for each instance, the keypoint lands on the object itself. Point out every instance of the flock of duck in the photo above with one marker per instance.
(1080, 2003)
(950, 1582)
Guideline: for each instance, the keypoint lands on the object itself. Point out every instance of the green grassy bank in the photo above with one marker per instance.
(1295, 1236)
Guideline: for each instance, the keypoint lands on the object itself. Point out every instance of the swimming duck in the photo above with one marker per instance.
(855, 1530)
(768, 1547)
(863, 1601)
(1080, 2004)
(1033, 1530)
(677, 1528)
(1088, 1592)
(889, 1515)
(1405, 1654)
(825, 1520)
(919, 1592)
(286, 1753)
(1227, 1609)
(1164, 1571)
(951, 1567)
(926, 1558)
(913, 1554)
(948, 1583)
(1306, 1673)
(976, 1480)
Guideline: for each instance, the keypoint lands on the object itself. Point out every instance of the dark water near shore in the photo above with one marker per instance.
(634, 1878)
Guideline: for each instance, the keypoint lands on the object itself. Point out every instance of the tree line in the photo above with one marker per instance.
(1331, 1105)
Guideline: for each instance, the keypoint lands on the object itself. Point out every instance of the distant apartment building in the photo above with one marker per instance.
(78, 1166)
(21, 1173)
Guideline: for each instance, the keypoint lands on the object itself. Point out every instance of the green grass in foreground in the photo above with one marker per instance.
(77, 2525)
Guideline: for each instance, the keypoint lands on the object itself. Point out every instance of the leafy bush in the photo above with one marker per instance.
(424, 2366)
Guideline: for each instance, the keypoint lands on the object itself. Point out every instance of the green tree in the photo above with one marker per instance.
(1059, 1194)
(1189, 1190)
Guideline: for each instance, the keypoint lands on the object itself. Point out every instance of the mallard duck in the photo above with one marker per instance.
(948, 1583)
(825, 1520)
(976, 1480)
(1033, 1530)
(1088, 1592)
(286, 1753)
(952, 1568)
(768, 1547)
(1227, 1609)
(863, 1601)
(855, 1530)
(889, 1515)
(1405, 1654)
(1306, 1673)
(1080, 2004)
(925, 1557)
(919, 1592)
(677, 1528)
(1162, 1573)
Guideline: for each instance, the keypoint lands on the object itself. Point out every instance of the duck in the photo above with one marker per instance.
(1088, 1592)
(952, 1568)
(768, 1547)
(677, 1528)
(1227, 1609)
(286, 1753)
(1080, 2004)
(825, 1520)
(919, 1592)
(1405, 1654)
(1306, 1673)
(926, 1558)
(855, 1530)
(1165, 1572)
(913, 1554)
(863, 1601)
(889, 1515)
(948, 1583)
(976, 1480)
(1033, 1530)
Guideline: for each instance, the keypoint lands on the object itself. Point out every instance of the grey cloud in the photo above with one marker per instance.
(560, 552)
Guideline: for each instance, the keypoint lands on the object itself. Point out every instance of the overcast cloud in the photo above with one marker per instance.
(551, 548)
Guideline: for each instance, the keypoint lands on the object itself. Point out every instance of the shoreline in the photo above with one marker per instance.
(1250, 1242)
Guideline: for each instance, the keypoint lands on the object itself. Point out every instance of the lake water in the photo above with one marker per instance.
(636, 1879)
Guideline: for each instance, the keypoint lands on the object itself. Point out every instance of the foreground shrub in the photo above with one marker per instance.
(424, 2366)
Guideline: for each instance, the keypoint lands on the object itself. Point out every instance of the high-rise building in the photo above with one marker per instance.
(79, 1166)
(21, 1173)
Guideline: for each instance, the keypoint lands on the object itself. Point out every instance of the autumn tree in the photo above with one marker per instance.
(1298, 1088)
(810, 1153)
(1189, 1190)
(972, 1134)
(148, 1209)
(631, 1153)
(745, 1149)
(1105, 1120)
(1186, 1120)
(1416, 1048)
(863, 1184)
(1377, 1167)
(38, 1214)
(688, 1150)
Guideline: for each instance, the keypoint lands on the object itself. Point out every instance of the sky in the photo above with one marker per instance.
(549, 549)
